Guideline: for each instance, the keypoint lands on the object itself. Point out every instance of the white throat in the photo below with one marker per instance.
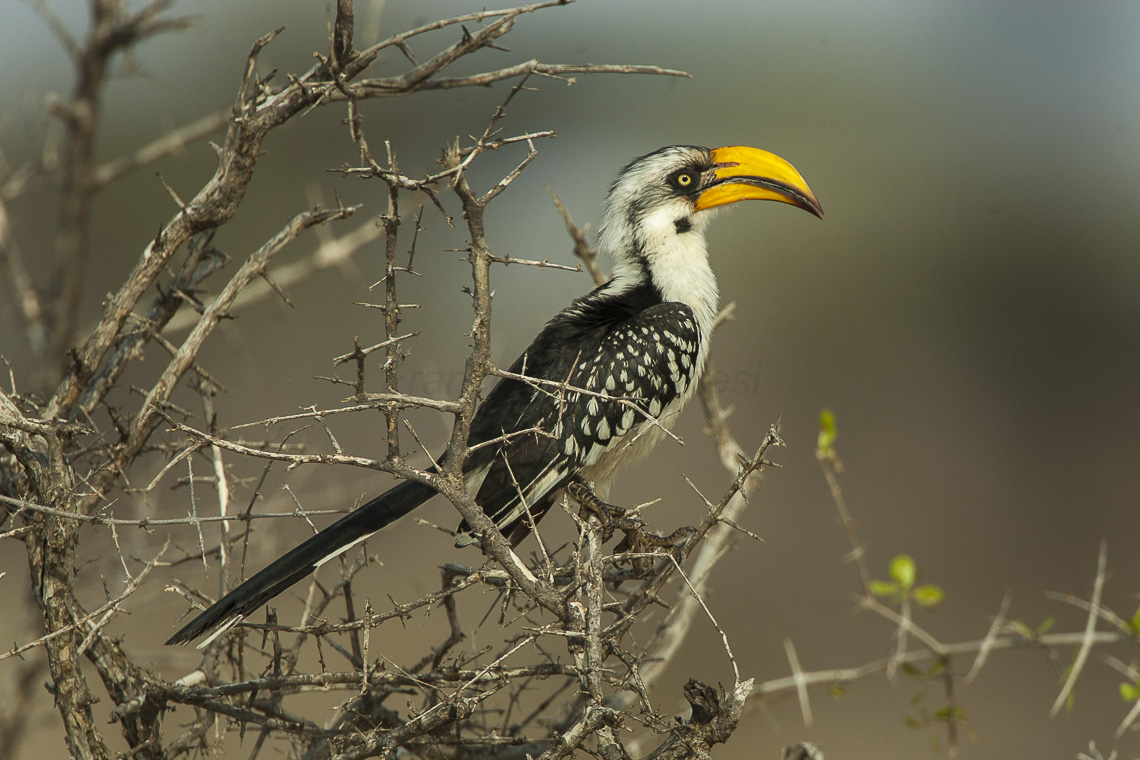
(676, 262)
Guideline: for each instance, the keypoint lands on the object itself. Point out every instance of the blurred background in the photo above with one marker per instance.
(969, 308)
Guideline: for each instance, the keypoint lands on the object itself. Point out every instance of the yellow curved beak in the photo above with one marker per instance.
(744, 173)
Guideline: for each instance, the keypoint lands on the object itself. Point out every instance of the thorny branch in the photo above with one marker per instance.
(51, 440)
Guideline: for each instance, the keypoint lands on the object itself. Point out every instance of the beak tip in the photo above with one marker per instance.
(758, 175)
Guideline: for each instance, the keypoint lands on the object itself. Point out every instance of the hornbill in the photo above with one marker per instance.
(627, 355)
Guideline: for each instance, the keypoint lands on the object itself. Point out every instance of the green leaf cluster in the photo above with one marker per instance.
(904, 577)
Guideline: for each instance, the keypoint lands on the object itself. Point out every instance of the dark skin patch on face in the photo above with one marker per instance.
(683, 225)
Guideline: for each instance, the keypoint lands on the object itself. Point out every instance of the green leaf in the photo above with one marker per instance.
(928, 596)
(1023, 630)
(827, 433)
(1134, 623)
(903, 570)
(1046, 624)
(951, 712)
(838, 690)
(884, 588)
(910, 669)
(1130, 692)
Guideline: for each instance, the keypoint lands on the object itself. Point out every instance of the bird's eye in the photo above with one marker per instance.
(683, 180)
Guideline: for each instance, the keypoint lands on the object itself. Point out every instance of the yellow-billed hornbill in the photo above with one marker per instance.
(630, 354)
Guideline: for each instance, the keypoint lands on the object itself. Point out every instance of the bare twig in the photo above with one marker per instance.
(800, 681)
(921, 655)
(988, 642)
(329, 253)
(104, 612)
(831, 467)
(171, 142)
(151, 522)
(1090, 632)
(582, 248)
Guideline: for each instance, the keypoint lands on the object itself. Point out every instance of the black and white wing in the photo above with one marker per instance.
(602, 370)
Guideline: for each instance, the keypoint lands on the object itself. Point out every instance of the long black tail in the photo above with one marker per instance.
(286, 570)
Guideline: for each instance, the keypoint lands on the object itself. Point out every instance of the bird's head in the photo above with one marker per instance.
(676, 186)
(654, 217)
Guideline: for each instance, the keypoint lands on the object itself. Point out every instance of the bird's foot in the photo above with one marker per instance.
(638, 540)
(643, 545)
(611, 516)
(645, 540)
